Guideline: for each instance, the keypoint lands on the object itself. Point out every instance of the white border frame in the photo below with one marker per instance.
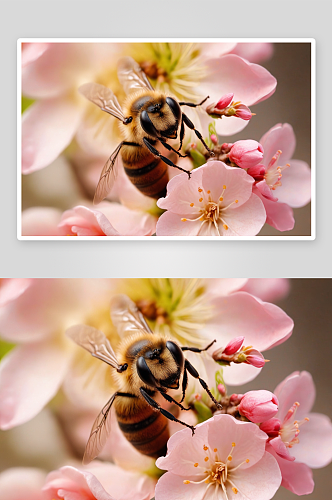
(312, 41)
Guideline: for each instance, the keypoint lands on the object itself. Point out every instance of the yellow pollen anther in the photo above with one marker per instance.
(224, 187)
(234, 490)
(208, 192)
(206, 481)
(236, 201)
(215, 450)
(205, 447)
(233, 445)
(200, 190)
(191, 204)
(196, 464)
(206, 459)
(186, 482)
(200, 200)
(221, 198)
(247, 460)
(225, 226)
(183, 220)
(229, 458)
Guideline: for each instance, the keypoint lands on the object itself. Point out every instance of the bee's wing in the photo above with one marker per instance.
(126, 316)
(131, 75)
(103, 97)
(107, 176)
(95, 342)
(99, 432)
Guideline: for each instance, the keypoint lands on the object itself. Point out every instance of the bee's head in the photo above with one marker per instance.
(161, 117)
(161, 366)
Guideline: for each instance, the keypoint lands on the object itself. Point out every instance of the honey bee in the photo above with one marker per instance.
(148, 116)
(145, 364)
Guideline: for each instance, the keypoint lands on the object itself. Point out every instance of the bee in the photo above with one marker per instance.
(146, 364)
(148, 116)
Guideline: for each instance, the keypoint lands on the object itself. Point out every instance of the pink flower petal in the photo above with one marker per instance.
(295, 189)
(11, 288)
(250, 84)
(181, 192)
(170, 224)
(32, 51)
(282, 137)
(315, 446)
(172, 483)
(83, 221)
(30, 376)
(267, 289)
(297, 387)
(265, 190)
(41, 221)
(225, 286)
(47, 128)
(278, 215)
(254, 52)
(246, 220)
(210, 50)
(22, 483)
(280, 448)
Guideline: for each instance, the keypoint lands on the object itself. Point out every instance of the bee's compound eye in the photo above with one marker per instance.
(176, 352)
(144, 372)
(147, 124)
(175, 107)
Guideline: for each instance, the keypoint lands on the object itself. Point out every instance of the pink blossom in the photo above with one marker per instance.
(258, 406)
(234, 345)
(242, 111)
(225, 456)
(253, 357)
(268, 289)
(305, 438)
(246, 153)
(224, 101)
(216, 201)
(271, 427)
(254, 52)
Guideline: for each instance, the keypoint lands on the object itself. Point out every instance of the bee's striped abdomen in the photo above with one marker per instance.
(148, 173)
(145, 428)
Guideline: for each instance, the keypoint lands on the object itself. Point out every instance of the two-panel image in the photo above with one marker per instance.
(154, 387)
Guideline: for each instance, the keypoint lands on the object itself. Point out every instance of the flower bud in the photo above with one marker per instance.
(258, 406)
(222, 390)
(224, 101)
(246, 153)
(257, 172)
(271, 427)
(233, 346)
(254, 358)
(235, 399)
(242, 111)
(214, 139)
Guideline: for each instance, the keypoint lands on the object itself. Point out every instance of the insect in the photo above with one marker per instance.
(145, 364)
(148, 116)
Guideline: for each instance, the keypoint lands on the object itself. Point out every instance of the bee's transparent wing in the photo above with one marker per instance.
(95, 342)
(103, 97)
(126, 316)
(99, 432)
(131, 75)
(107, 176)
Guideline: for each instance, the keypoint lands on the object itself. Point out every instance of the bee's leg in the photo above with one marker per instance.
(190, 125)
(181, 134)
(192, 105)
(196, 349)
(194, 373)
(184, 384)
(166, 413)
(167, 146)
(155, 152)
(171, 400)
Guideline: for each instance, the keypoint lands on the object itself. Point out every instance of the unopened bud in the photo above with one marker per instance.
(222, 390)
(214, 139)
(235, 399)
(246, 153)
(259, 406)
(257, 172)
(224, 101)
(243, 112)
(233, 346)
(271, 427)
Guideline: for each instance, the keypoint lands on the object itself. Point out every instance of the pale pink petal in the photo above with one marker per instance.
(41, 221)
(181, 192)
(240, 374)
(297, 387)
(282, 137)
(11, 288)
(83, 221)
(225, 286)
(170, 224)
(212, 50)
(98, 132)
(29, 377)
(238, 183)
(31, 52)
(280, 448)
(22, 483)
(267, 289)
(254, 52)
(126, 221)
(170, 482)
(278, 215)
(265, 190)
(250, 482)
(296, 477)
(315, 446)
(47, 129)
(295, 189)
(250, 84)
(246, 220)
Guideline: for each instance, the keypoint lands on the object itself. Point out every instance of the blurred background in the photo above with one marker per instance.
(40, 442)
(58, 186)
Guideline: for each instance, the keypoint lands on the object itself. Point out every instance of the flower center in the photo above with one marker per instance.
(216, 472)
(290, 428)
(273, 172)
(210, 211)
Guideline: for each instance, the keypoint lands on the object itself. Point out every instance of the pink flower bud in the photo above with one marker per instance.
(258, 406)
(235, 399)
(233, 346)
(221, 388)
(246, 153)
(214, 139)
(257, 172)
(242, 111)
(271, 427)
(224, 101)
(255, 358)
(226, 147)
